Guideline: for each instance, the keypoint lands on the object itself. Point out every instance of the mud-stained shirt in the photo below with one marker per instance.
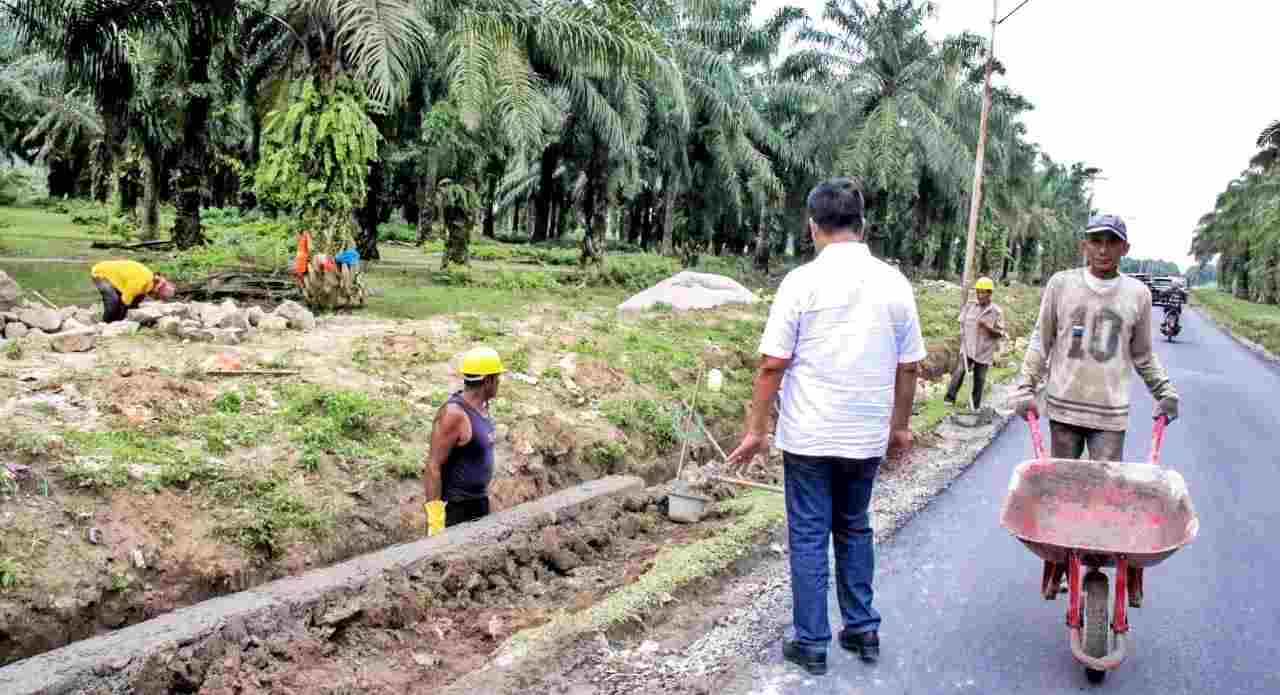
(1092, 338)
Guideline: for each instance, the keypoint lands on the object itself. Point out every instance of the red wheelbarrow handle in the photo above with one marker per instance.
(1037, 440)
(1157, 436)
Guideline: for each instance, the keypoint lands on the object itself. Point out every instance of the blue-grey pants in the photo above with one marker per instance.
(828, 498)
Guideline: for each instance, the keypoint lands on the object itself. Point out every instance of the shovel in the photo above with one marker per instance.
(725, 457)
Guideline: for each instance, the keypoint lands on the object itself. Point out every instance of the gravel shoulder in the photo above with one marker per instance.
(717, 632)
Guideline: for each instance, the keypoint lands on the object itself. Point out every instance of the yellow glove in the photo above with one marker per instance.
(435, 516)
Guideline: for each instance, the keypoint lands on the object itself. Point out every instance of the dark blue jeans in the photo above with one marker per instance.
(828, 498)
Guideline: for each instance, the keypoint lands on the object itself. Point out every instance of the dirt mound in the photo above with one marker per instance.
(144, 394)
(690, 290)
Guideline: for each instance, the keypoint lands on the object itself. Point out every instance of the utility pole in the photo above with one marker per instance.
(975, 200)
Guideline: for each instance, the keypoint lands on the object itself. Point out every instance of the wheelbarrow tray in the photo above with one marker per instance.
(1099, 509)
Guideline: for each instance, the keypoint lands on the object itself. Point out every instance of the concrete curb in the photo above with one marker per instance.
(1253, 347)
(106, 663)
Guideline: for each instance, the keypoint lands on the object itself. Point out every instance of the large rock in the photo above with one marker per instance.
(9, 291)
(192, 330)
(37, 338)
(169, 325)
(299, 317)
(81, 340)
(88, 317)
(255, 314)
(211, 315)
(234, 319)
(71, 325)
(120, 328)
(15, 330)
(226, 336)
(145, 315)
(273, 323)
(690, 290)
(46, 320)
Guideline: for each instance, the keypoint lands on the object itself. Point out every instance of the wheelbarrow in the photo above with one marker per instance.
(1079, 516)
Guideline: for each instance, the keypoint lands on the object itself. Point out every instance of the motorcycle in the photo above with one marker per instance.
(1171, 326)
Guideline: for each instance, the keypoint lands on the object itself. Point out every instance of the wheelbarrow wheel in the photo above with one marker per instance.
(1097, 631)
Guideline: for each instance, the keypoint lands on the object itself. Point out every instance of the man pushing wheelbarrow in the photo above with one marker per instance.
(1094, 329)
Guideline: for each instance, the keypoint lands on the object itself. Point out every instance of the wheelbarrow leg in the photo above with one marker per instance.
(1051, 579)
(1120, 616)
(1135, 586)
(1074, 619)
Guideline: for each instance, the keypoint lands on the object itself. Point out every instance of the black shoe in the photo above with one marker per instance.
(815, 664)
(866, 644)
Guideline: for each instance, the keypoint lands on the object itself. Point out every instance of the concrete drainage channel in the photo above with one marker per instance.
(395, 587)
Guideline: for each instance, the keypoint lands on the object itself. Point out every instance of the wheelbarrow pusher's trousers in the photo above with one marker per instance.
(1069, 442)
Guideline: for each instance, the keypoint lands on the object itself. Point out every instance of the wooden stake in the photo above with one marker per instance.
(746, 483)
(41, 298)
(252, 372)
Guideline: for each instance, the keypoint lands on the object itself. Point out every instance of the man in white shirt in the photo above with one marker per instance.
(843, 346)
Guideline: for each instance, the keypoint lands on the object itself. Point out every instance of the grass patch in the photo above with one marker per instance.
(1257, 322)
(10, 573)
(672, 569)
(650, 418)
(41, 233)
(352, 425)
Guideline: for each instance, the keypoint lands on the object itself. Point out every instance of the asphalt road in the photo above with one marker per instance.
(960, 596)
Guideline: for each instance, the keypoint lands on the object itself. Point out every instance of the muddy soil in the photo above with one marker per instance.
(93, 559)
(418, 632)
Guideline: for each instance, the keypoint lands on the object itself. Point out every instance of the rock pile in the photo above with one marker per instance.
(76, 329)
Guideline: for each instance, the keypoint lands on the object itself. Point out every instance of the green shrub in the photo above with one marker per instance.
(650, 418)
(15, 185)
(268, 244)
(635, 272)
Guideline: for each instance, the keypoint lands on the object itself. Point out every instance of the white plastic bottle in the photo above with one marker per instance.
(715, 379)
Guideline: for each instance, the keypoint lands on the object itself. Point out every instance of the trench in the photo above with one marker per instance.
(424, 626)
(29, 630)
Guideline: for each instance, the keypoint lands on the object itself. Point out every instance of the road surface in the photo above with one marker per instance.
(960, 597)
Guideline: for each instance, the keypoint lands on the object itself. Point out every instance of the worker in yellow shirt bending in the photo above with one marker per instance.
(123, 284)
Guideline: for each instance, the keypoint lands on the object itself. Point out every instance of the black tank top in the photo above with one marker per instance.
(469, 468)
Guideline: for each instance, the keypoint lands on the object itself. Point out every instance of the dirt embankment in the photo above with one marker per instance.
(145, 486)
(419, 631)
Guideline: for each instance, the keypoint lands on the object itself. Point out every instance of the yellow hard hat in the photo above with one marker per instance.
(984, 284)
(481, 361)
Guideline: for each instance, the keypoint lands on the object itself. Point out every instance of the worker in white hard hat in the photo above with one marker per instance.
(460, 462)
(981, 328)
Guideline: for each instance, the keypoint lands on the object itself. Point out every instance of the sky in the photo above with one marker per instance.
(1167, 98)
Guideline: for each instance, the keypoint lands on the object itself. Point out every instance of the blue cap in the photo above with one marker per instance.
(1108, 223)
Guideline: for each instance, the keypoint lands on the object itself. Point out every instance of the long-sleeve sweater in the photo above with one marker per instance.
(1092, 340)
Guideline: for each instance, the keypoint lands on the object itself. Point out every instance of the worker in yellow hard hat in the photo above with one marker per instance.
(123, 285)
(981, 328)
(460, 462)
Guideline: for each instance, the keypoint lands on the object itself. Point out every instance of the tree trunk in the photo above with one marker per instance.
(457, 222)
(426, 208)
(61, 179)
(762, 245)
(109, 154)
(544, 223)
(491, 200)
(668, 218)
(151, 191)
(920, 230)
(193, 161)
(515, 217)
(370, 213)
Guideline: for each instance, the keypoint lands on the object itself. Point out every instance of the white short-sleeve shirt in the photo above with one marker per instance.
(846, 321)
